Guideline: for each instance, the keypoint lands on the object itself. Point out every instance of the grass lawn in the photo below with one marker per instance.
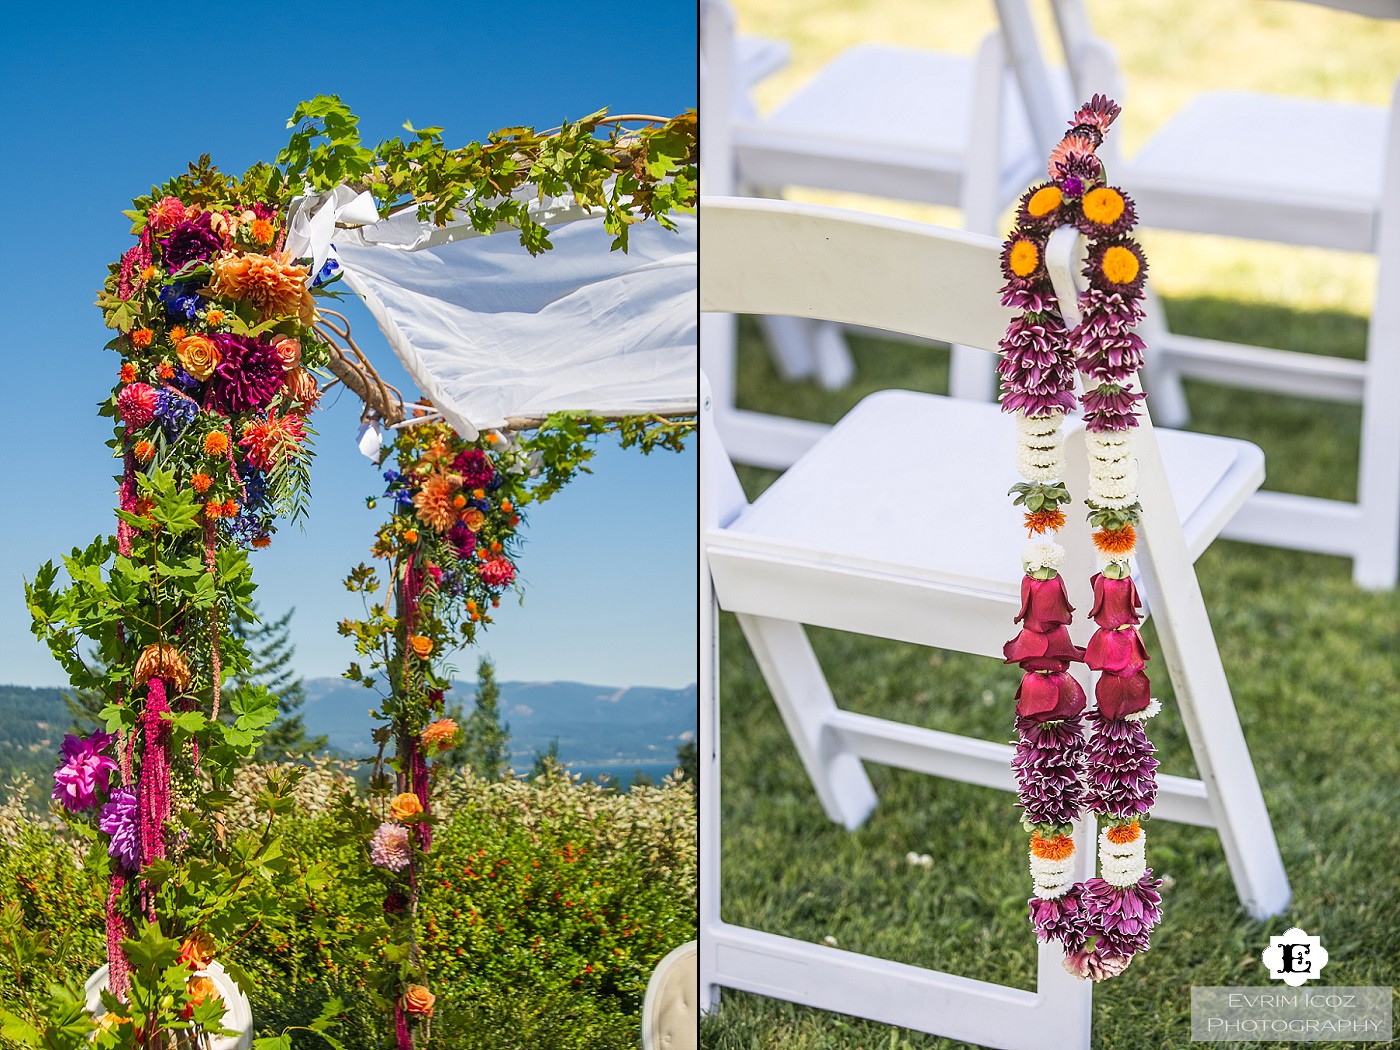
(1314, 663)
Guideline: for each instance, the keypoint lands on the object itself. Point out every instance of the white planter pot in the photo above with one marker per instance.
(238, 1015)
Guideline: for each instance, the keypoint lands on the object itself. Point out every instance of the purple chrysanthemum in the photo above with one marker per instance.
(1110, 358)
(248, 376)
(1123, 917)
(121, 819)
(175, 412)
(475, 468)
(1112, 309)
(1035, 297)
(1110, 407)
(85, 771)
(1037, 372)
(1064, 919)
(1122, 778)
(193, 240)
(1048, 763)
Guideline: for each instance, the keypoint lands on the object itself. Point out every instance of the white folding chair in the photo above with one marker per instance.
(899, 564)
(1281, 169)
(897, 122)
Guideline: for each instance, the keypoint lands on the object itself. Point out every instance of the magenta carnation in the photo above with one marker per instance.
(248, 376)
(1048, 760)
(85, 771)
(390, 847)
(136, 403)
(475, 468)
(1122, 779)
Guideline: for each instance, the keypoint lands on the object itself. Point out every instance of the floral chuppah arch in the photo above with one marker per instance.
(220, 349)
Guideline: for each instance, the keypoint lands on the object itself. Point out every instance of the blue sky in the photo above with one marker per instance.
(98, 102)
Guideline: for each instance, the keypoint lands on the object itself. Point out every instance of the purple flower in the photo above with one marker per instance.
(120, 818)
(1115, 308)
(1094, 965)
(1110, 407)
(1048, 760)
(1072, 186)
(174, 412)
(1122, 779)
(462, 539)
(1123, 916)
(1035, 297)
(1064, 919)
(84, 772)
(193, 240)
(475, 468)
(248, 376)
(1109, 358)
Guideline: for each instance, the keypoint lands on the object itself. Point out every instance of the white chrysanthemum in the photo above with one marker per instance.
(1109, 443)
(1041, 464)
(1124, 872)
(1114, 488)
(1038, 426)
(1051, 867)
(1112, 466)
(1041, 555)
(1110, 849)
(1052, 889)
(1147, 712)
(1118, 503)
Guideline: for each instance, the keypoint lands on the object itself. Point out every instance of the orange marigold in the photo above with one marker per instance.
(261, 231)
(128, 373)
(1118, 541)
(230, 508)
(176, 334)
(1036, 521)
(144, 451)
(142, 337)
(1058, 848)
(200, 483)
(1122, 833)
(213, 510)
(270, 283)
(215, 443)
(165, 370)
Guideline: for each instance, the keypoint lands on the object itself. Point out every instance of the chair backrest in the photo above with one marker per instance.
(807, 260)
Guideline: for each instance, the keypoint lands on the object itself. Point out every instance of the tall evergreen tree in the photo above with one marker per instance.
(485, 738)
(270, 646)
(547, 762)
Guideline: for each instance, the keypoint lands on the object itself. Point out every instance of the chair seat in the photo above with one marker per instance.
(878, 494)
(1296, 170)
(877, 107)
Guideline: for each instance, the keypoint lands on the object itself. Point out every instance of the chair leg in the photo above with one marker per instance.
(804, 700)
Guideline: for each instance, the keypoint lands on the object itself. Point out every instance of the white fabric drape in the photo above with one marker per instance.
(488, 331)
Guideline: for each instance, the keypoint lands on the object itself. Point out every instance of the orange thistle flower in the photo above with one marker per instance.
(1124, 833)
(492, 437)
(215, 443)
(1036, 521)
(459, 501)
(261, 541)
(410, 535)
(507, 506)
(141, 337)
(1058, 848)
(176, 334)
(230, 508)
(200, 483)
(128, 373)
(144, 451)
(148, 273)
(143, 507)
(213, 510)
(261, 231)
(214, 316)
(1118, 541)
(165, 370)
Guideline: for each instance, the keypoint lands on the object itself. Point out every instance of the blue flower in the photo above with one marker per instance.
(404, 499)
(326, 273)
(254, 488)
(186, 382)
(243, 528)
(174, 412)
(178, 303)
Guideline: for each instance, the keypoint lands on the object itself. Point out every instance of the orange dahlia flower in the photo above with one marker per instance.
(272, 284)
(440, 735)
(434, 501)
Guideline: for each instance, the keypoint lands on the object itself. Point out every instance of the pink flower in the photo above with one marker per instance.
(1036, 651)
(496, 572)
(137, 404)
(166, 214)
(1115, 602)
(84, 772)
(1049, 697)
(1119, 652)
(1122, 695)
(1092, 966)
(390, 848)
(1044, 604)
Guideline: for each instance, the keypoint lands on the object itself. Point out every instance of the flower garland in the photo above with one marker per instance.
(450, 543)
(1103, 922)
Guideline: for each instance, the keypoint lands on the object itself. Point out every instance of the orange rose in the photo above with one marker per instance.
(199, 356)
(422, 647)
(440, 735)
(288, 351)
(473, 519)
(197, 951)
(404, 806)
(418, 1000)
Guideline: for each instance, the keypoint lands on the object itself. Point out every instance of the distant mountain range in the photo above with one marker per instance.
(599, 727)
